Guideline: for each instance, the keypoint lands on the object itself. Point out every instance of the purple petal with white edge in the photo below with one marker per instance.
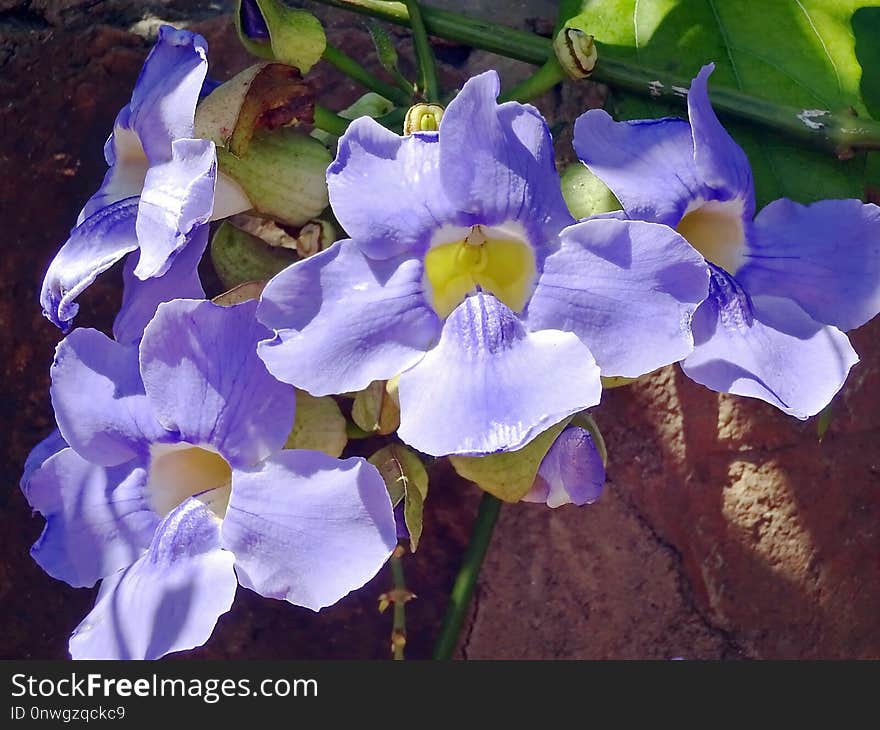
(163, 103)
(307, 528)
(169, 599)
(649, 164)
(628, 289)
(98, 519)
(490, 385)
(768, 348)
(178, 196)
(386, 190)
(343, 320)
(825, 256)
(498, 163)
(140, 298)
(93, 247)
(49, 446)
(721, 163)
(572, 472)
(99, 399)
(203, 378)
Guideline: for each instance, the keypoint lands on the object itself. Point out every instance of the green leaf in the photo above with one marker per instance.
(319, 425)
(800, 53)
(405, 479)
(296, 37)
(509, 475)
(239, 257)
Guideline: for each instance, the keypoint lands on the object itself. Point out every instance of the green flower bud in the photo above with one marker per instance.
(423, 118)
(319, 425)
(376, 408)
(509, 475)
(576, 51)
(270, 29)
(240, 257)
(283, 173)
(585, 194)
(316, 235)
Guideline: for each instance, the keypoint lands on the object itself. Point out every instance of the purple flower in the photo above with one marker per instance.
(155, 198)
(571, 472)
(171, 480)
(467, 276)
(783, 285)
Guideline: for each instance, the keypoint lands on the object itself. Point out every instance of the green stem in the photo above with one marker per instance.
(463, 588)
(840, 133)
(401, 593)
(353, 69)
(428, 82)
(330, 121)
(540, 82)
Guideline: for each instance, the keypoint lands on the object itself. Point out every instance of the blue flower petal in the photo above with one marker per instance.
(98, 519)
(343, 320)
(307, 528)
(490, 385)
(628, 289)
(140, 298)
(497, 163)
(99, 400)
(386, 190)
(204, 380)
(766, 347)
(169, 599)
(94, 246)
(824, 256)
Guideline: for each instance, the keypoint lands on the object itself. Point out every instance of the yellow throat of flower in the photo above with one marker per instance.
(493, 260)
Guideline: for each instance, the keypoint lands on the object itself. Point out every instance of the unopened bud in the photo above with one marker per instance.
(423, 118)
(240, 257)
(283, 173)
(576, 52)
(270, 29)
(377, 410)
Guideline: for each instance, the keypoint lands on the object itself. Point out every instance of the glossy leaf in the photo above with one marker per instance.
(800, 53)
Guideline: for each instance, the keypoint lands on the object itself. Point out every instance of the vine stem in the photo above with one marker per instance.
(356, 71)
(428, 81)
(400, 595)
(841, 133)
(463, 588)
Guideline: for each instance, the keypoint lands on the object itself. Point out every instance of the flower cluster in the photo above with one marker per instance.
(485, 312)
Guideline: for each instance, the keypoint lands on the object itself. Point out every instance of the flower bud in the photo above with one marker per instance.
(422, 118)
(270, 29)
(576, 51)
(585, 194)
(240, 257)
(376, 409)
(319, 425)
(283, 173)
(571, 472)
